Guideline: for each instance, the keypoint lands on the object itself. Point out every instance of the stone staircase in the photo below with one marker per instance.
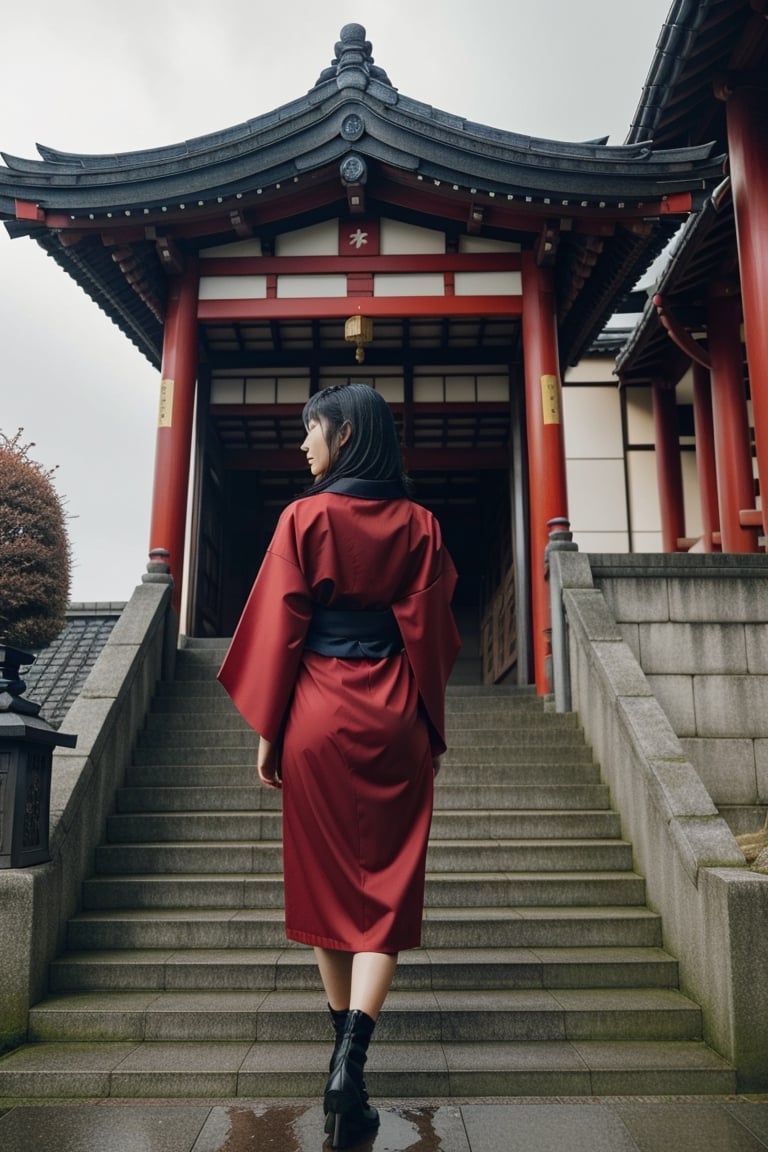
(541, 971)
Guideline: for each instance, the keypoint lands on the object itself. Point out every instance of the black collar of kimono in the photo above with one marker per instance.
(367, 489)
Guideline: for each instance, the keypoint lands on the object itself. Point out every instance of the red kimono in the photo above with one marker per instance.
(358, 735)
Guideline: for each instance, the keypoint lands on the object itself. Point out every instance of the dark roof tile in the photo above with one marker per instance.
(61, 669)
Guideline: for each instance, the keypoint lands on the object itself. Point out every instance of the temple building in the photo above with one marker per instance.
(460, 269)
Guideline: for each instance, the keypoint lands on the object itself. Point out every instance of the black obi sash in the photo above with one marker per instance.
(354, 635)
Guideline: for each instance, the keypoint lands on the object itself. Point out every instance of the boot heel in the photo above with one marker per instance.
(345, 1102)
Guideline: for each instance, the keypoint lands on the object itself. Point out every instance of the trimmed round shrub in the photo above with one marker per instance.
(34, 549)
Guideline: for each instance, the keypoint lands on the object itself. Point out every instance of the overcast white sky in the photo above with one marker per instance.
(108, 76)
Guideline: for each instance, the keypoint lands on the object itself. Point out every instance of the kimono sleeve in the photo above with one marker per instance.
(432, 643)
(259, 669)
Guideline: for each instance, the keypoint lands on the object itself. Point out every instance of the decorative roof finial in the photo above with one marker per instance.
(353, 65)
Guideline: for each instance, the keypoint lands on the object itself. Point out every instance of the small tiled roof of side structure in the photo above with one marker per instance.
(60, 670)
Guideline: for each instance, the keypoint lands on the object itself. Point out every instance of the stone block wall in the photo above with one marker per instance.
(698, 627)
(106, 717)
(714, 909)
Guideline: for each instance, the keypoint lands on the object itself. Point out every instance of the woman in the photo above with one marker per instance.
(340, 663)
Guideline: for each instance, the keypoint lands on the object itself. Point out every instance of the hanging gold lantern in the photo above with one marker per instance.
(358, 330)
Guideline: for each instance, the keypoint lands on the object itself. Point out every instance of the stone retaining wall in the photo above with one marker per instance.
(698, 627)
(714, 910)
(36, 903)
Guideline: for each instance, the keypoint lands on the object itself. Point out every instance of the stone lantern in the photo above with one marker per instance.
(26, 756)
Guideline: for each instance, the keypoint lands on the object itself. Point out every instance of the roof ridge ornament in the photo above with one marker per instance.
(353, 66)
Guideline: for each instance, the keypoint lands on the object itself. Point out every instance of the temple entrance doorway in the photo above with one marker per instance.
(240, 508)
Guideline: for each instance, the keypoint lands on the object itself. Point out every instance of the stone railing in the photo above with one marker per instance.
(36, 903)
(714, 910)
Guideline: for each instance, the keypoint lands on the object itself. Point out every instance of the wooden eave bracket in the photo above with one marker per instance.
(130, 266)
(547, 244)
(240, 224)
(356, 199)
(475, 219)
(170, 256)
(70, 239)
(27, 210)
(751, 518)
(680, 335)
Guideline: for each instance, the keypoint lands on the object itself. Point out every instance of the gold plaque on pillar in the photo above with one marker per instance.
(165, 415)
(550, 402)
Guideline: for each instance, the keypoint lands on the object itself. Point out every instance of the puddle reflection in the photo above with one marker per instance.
(296, 1128)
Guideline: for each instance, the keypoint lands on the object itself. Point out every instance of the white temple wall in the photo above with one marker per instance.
(612, 486)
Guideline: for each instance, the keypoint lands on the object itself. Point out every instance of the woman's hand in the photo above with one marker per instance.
(268, 764)
(436, 762)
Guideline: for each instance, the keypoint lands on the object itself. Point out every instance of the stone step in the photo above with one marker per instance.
(248, 856)
(183, 696)
(211, 709)
(184, 700)
(458, 1017)
(588, 926)
(190, 661)
(457, 737)
(453, 825)
(519, 752)
(541, 970)
(455, 890)
(208, 685)
(433, 969)
(259, 1070)
(189, 731)
(543, 773)
(210, 724)
(448, 797)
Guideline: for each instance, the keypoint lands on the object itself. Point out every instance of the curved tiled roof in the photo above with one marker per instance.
(351, 126)
(321, 128)
(701, 42)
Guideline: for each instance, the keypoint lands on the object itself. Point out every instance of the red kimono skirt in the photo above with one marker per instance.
(358, 734)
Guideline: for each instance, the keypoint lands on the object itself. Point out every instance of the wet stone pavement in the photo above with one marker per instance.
(616, 1124)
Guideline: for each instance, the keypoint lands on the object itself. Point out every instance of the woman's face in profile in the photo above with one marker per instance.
(316, 447)
(319, 456)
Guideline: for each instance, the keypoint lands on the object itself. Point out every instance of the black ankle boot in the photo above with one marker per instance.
(339, 1018)
(348, 1115)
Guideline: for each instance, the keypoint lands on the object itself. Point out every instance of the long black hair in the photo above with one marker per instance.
(372, 451)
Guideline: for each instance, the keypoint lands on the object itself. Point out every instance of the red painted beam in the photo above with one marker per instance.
(678, 334)
(27, 210)
(418, 408)
(341, 306)
(347, 265)
(273, 205)
(751, 518)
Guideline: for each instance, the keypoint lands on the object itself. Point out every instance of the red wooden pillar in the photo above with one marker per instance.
(747, 119)
(668, 468)
(733, 455)
(705, 456)
(174, 429)
(548, 495)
